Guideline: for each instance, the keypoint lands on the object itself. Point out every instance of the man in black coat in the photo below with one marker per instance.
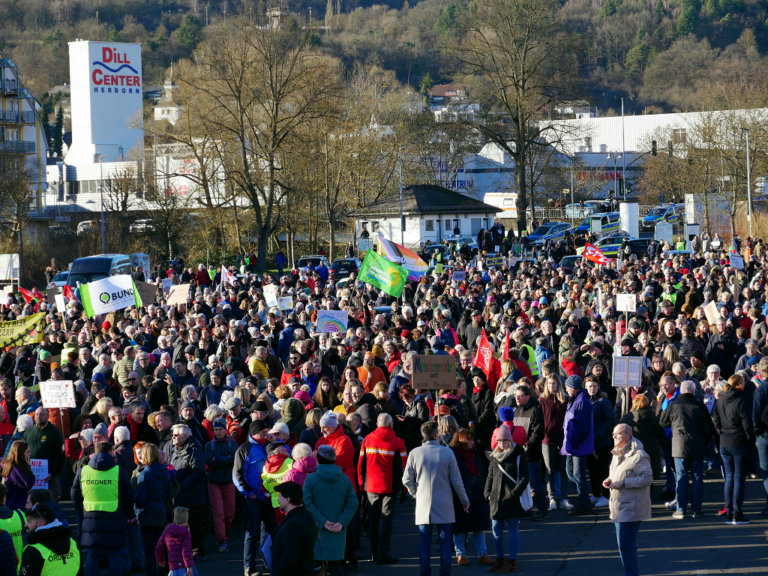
(692, 429)
(530, 417)
(294, 544)
(722, 349)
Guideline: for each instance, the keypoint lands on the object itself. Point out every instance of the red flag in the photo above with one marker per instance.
(484, 358)
(37, 294)
(505, 354)
(69, 294)
(28, 296)
(593, 254)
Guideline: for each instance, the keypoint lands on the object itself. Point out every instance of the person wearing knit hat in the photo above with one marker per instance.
(328, 420)
(579, 442)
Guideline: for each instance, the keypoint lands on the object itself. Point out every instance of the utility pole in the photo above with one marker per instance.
(749, 186)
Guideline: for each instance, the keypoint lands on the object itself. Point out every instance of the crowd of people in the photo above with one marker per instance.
(227, 412)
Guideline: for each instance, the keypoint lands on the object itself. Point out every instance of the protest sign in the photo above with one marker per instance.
(147, 292)
(167, 283)
(711, 312)
(459, 276)
(58, 394)
(39, 471)
(737, 262)
(285, 303)
(50, 295)
(433, 372)
(626, 303)
(178, 294)
(27, 330)
(494, 260)
(627, 371)
(109, 294)
(270, 295)
(332, 321)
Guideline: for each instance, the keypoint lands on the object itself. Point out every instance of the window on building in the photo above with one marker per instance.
(429, 225)
(457, 224)
(12, 135)
(588, 143)
(375, 226)
(679, 136)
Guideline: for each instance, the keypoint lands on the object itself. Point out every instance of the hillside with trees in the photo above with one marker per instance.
(660, 55)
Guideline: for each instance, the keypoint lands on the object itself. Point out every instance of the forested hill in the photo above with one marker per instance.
(656, 53)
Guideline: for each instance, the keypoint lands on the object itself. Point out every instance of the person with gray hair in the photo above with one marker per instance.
(752, 351)
(629, 481)
(189, 461)
(23, 423)
(690, 425)
(380, 470)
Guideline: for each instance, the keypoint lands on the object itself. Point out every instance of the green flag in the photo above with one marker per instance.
(383, 274)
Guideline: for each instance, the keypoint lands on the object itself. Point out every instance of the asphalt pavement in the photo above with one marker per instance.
(583, 546)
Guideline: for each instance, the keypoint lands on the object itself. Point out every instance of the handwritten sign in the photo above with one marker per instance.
(737, 262)
(711, 312)
(40, 471)
(270, 295)
(332, 321)
(433, 372)
(167, 283)
(147, 292)
(58, 394)
(178, 294)
(626, 303)
(494, 260)
(459, 276)
(285, 303)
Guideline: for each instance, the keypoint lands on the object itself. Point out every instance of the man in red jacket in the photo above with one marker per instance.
(380, 472)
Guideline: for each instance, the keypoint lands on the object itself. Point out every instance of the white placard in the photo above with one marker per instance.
(627, 371)
(285, 303)
(108, 294)
(40, 471)
(167, 283)
(58, 394)
(270, 295)
(737, 262)
(61, 303)
(626, 302)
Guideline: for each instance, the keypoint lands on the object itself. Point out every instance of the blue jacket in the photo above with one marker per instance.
(578, 426)
(211, 395)
(220, 458)
(311, 381)
(153, 488)
(284, 343)
(105, 529)
(249, 462)
(663, 406)
(542, 354)
(759, 403)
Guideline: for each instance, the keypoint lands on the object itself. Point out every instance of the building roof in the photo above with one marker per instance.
(427, 199)
(441, 89)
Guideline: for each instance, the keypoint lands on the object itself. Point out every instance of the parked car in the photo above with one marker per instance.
(610, 245)
(59, 280)
(306, 261)
(343, 267)
(462, 240)
(428, 251)
(672, 213)
(87, 226)
(568, 263)
(141, 226)
(60, 231)
(550, 231)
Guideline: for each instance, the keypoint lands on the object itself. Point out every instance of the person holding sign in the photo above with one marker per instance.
(46, 443)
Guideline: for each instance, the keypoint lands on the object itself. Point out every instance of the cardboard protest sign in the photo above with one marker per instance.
(270, 295)
(459, 276)
(332, 321)
(147, 292)
(178, 294)
(433, 372)
(58, 394)
(711, 312)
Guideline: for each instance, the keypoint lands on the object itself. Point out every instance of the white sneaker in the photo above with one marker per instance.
(553, 504)
(671, 505)
(593, 499)
(565, 504)
(602, 502)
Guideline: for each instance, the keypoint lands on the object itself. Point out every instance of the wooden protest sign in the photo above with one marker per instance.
(433, 372)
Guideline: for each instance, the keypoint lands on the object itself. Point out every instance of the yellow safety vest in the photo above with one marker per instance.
(100, 489)
(15, 527)
(532, 365)
(55, 565)
(270, 480)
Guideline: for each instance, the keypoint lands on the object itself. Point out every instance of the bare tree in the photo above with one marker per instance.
(15, 195)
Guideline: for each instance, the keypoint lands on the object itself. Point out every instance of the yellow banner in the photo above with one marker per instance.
(28, 330)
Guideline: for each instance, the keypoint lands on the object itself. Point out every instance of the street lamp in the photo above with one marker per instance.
(615, 157)
(749, 186)
(101, 187)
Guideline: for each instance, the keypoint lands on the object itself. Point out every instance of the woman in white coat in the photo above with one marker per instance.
(629, 482)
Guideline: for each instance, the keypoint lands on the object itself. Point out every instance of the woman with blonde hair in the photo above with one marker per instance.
(101, 409)
(384, 403)
(153, 491)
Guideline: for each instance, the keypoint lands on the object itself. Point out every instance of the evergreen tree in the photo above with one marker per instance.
(689, 18)
(58, 132)
(426, 83)
(190, 33)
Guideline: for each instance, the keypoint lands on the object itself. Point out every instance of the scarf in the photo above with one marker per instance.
(134, 430)
(477, 389)
(469, 460)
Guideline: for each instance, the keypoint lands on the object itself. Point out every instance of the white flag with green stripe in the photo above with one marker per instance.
(109, 294)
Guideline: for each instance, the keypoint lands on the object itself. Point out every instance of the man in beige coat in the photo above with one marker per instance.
(629, 482)
(429, 474)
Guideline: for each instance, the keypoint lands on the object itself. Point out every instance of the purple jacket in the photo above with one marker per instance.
(174, 549)
(301, 468)
(18, 484)
(578, 426)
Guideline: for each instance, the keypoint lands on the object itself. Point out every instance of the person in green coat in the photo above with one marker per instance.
(330, 496)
